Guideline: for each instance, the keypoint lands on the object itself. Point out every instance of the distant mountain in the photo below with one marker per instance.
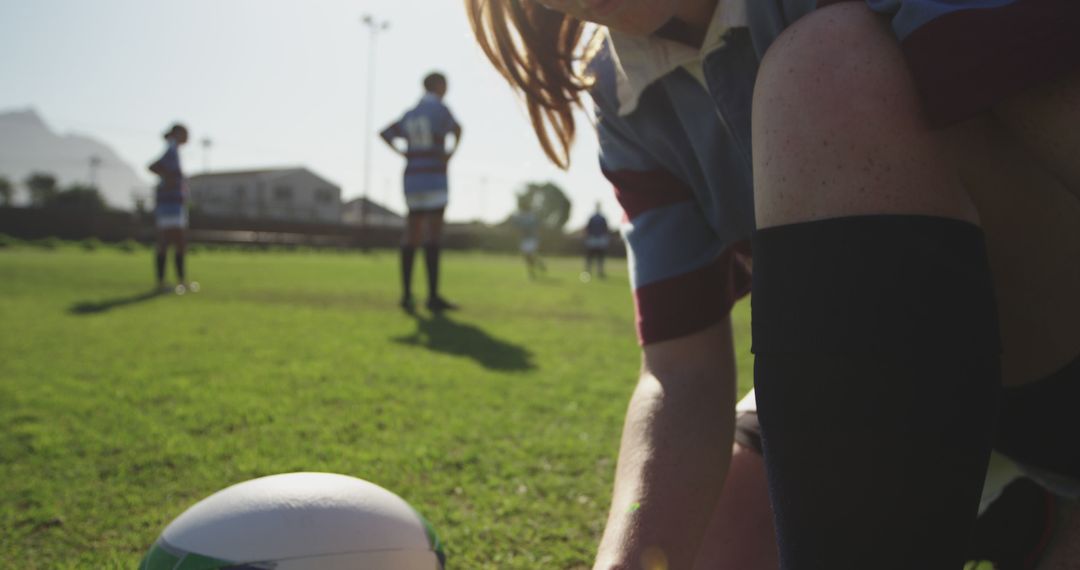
(28, 145)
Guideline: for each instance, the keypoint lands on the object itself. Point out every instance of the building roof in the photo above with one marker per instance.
(372, 208)
(262, 173)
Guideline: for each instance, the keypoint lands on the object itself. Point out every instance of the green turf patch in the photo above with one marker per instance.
(120, 408)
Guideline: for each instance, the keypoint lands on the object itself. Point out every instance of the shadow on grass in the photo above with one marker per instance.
(94, 307)
(440, 333)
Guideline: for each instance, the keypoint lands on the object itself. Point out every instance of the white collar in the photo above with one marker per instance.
(641, 61)
(429, 96)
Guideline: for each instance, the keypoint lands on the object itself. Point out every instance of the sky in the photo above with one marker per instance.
(275, 83)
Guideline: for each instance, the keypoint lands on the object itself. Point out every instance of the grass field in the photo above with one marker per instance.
(118, 409)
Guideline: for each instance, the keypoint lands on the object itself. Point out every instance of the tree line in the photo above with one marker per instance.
(46, 192)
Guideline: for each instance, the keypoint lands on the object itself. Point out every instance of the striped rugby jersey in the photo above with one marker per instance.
(424, 129)
(674, 128)
(171, 194)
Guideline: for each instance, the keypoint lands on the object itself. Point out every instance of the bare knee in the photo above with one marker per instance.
(838, 126)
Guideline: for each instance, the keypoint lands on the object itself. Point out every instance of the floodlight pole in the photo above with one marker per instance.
(374, 27)
(95, 163)
(206, 144)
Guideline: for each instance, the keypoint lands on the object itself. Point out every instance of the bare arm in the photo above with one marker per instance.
(457, 142)
(388, 137)
(675, 450)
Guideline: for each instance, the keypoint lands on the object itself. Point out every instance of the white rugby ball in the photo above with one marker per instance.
(298, 521)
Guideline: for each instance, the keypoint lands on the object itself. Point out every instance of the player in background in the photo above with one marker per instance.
(424, 130)
(528, 224)
(170, 210)
(597, 239)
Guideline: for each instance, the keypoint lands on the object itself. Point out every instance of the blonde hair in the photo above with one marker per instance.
(539, 52)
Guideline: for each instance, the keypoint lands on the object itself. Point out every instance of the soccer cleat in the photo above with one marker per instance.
(407, 304)
(438, 305)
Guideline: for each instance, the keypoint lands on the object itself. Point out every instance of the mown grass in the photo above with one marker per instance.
(119, 409)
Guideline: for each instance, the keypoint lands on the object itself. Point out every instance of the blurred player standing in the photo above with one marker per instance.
(528, 223)
(170, 209)
(597, 239)
(425, 128)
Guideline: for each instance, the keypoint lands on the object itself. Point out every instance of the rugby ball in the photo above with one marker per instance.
(298, 521)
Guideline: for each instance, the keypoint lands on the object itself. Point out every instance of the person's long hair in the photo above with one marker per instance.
(539, 52)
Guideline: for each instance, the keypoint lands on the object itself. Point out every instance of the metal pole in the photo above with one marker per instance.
(374, 27)
(206, 144)
(95, 162)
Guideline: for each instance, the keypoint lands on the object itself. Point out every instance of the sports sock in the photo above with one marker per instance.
(178, 260)
(407, 254)
(1015, 530)
(877, 374)
(431, 258)
(159, 266)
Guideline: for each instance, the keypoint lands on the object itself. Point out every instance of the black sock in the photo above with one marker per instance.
(178, 260)
(159, 266)
(1016, 528)
(431, 258)
(877, 374)
(407, 254)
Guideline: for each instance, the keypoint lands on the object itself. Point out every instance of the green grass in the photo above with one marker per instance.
(118, 410)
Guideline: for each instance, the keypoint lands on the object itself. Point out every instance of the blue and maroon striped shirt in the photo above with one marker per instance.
(171, 194)
(424, 128)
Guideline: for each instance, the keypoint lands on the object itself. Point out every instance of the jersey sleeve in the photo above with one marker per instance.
(967, 56)
(449, 123)
(684, 277)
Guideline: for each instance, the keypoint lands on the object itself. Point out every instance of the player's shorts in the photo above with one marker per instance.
(597, 242)
(968, 56)
(170, 218)
(426, 200)
(530, 245)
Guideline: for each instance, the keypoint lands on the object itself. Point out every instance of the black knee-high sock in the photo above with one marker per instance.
(877, 374)
(178, 260)
(159, 266)
(407, 254)
(431, 258)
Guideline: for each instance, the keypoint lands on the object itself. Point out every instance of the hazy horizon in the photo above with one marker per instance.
(274, 83)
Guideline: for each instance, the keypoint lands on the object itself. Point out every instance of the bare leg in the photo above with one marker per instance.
(159, 258)
(414, 228)
(1047, 120)
(432, 256)
(741, 535)
(1032, 223)
(865, 229)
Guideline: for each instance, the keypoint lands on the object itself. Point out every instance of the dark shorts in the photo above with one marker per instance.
(968, 56)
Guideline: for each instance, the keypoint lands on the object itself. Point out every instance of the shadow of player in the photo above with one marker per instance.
(94, 307)
(439, 333)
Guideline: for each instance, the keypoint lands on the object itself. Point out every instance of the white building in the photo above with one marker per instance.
(286, 194)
